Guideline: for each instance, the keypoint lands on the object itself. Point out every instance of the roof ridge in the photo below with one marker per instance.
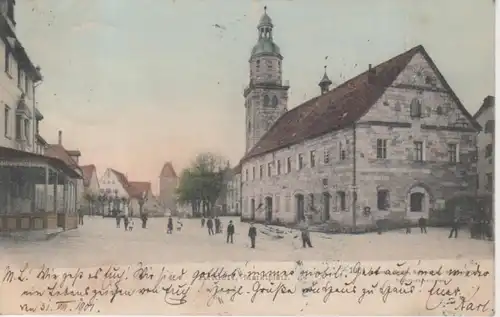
(324, 102)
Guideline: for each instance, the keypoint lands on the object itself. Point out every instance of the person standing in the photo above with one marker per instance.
(217, 225)
(118, 218)
(170, 225)
(252, 233)
(422, 223)
(210, 226)
(202, 221)
(230, 231)
(144, 219)
(80, 216)
(125, 215)
(454, 227)
(304, 234)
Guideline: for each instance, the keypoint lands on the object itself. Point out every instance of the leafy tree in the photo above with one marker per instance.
(202, 183)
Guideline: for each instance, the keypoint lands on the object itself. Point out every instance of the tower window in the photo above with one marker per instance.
(266, 101)
(249, 127)
(275, 101)
(416, 108)
(257, 64)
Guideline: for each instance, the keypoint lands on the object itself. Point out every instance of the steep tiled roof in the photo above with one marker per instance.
(340, 107)
(87, 171)
(168, 170)
(58, 151)
(138, 188)
(122, 179)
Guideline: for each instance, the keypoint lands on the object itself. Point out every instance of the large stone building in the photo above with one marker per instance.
(37, 191)
(169, 181)
(485, 116)
(395, 139)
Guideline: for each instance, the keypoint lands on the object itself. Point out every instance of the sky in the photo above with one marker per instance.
(133, 84)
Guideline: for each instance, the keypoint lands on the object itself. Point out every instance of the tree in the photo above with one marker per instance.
(202, 183)
(91, 200)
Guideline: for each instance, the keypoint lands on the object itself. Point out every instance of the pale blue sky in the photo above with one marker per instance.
(135, 83)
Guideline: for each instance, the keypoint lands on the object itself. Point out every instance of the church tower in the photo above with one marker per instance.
(266, 96)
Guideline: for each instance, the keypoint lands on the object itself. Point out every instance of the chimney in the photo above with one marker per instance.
(60, 137)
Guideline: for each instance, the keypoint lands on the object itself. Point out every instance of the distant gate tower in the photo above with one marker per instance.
(266, 96)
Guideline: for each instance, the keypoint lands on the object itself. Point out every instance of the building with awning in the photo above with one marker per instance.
(37, 192)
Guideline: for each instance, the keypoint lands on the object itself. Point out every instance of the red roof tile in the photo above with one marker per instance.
(137, 189)
(340, 107)
(168, 170)
(87, 170)
(59, 152)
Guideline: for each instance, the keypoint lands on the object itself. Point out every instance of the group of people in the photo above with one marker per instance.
(128, 223)
(170, 225)
(211, 223)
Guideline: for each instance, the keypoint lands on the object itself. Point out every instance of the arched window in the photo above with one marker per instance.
(415, 108)
(249, 126)
(275, 101)
(489, 127)
(266, 101)
(417, 202)
(257, 65)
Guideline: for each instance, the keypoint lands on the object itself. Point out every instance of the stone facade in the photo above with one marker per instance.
(400, 164)
(486, 147)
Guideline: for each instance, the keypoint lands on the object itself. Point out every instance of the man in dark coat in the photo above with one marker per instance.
(210, 226)
(230, 231)
(80, 216)
(454, 227)
(202, 222)
(170, 225)
(422, 223)
(252, 233)
(217, 225)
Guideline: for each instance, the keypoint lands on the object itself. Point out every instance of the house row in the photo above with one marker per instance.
(115, 186)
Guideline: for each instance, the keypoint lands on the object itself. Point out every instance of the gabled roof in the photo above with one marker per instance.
(342, 106)
(488, 102)
(122, 179)
(58, 151)
(137, 189)
(88, 171)
(168, 170)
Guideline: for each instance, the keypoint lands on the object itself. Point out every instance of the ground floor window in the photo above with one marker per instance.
(383, 199)
(341, 201)
(417, 202)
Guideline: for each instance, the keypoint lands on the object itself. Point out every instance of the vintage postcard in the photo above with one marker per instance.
(247, 157)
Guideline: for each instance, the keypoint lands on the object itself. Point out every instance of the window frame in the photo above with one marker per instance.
(381, 149)
(418, 148)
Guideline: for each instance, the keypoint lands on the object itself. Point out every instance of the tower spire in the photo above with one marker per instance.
(325, 83)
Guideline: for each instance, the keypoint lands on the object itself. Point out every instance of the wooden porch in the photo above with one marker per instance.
(36, 192)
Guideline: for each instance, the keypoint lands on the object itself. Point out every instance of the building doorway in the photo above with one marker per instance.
(326, 206)
(299, 205)
(252, 209)
(269, 209)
